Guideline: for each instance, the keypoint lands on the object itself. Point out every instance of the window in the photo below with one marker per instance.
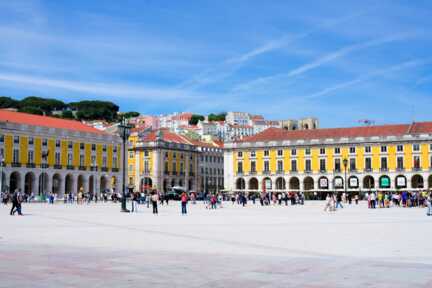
(57, 143)
(253, 166)
(2, 139)
(131, 169)
(131, 154)
(174, 155)
(181, 167)
(322, 151)
(181, 156)
(416, 162)
(294, 165)
(266, 166)
(307, 151)
(81, 146)
(383, 149)
(104, 161)
(368, 149)
(323, 165)
(280, 165)
(352, 164)
(308, 165)
(280, 152)
(31, 141)
(399, 148)
(384, 163)
(166, 168)
(16, 139)
(146, 153)
(93, 147)
(146, 167)
(239, 167)
(69, 160)
(30, 157)
(337, 165)
(416, 147)
(293, 152)
(104, 148)
(93, 161)
(368, 164)
(352, 150)
(337, 150)
(115, 162)
(81, 160)
(240, 154)
(400, 162)
(252, 154)
(70, 144)
(174, 167)
(166, 155)
(115, 149)
(16, 156)
(57, 158)
(266, 153)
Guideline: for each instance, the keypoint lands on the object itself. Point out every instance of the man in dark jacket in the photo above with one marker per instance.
(16, 203)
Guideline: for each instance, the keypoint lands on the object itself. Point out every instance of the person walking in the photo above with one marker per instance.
(16, 203)
(429, 204)
(184, 200)
(135, 201)
(339, 201)
(154, 200)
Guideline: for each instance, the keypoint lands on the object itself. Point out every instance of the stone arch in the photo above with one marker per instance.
(180, 182)
(253, 183)
(165, 185)
(103, 184)
(14, 181)
(280, 183)
(172, 183)
(417, 181)
(294, 183)
(368, 182)
(43, 183)
(56, 184)
(400, 181)
(191, 185)
(29, 183)
(338, 182)
(240, 184)
(353, 182)
(69, 182)
(323, 183)
(81, 184)
(383, 180)
(268, 184)
(92, 184)
(430, 182)
(308, 183)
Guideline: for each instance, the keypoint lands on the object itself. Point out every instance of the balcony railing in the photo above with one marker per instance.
(58, 166)
(252, 172)
(337, 170)
(266, 172)
(400, 169)
(70, 167)
(417, 169)
(82, 168)
(15, 164)
(31, 165)
(44, 166)
(323, 171)
(294, 171)
(384, 169)
(308, 171)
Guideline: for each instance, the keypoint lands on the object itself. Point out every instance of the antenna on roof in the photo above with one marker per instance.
(366, 122)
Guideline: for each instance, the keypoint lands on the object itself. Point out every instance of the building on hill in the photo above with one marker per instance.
(44, 155)
(377, 158)
(162, 159)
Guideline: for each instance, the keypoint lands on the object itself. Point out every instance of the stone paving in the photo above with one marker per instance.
(294, 246)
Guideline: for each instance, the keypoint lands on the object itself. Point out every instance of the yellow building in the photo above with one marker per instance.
(162, 160)
(386, 158)
(49, 155)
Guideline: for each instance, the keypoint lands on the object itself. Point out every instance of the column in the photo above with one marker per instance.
(137, 170)
(74, 185)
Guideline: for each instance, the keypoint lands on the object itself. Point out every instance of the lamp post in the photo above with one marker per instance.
(44, 165)
(345, 164)
(124, 129)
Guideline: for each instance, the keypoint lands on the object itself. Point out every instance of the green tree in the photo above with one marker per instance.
(8, 102)
(31, 110)
(217, 117)
(95, 110)
(195, 118)
(67, 114)
(47, 105)
(130, 114)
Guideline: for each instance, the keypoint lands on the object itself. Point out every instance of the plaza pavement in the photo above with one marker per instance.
(294, 246)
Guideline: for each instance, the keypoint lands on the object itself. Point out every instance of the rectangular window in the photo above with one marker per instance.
(280, 165)
(308, 166)
(293, 152)
(115, 162)
(31, 141)
(181, 167)
(104, 148)
(266, 153)
(1, 138)
(146, 167)
(166, 168)
(240, 154)
(416, 147)
(146, 153)
(253, 166)
(70, 144)
(368, 149)
(294, 165)
(266, 166)
(69, 161)
(57, 143)
(93, 161)
(57, 158)
(322, 151)
(384, 163)
(337, 165)
(175, 155)
(115, 149)
(81, 160)
(93, 147)
(307, 151)
(323, 165)
(400, 163)
(383, 149)
(174, 167)
(131, 154)
(337, 150)
(280, 153)
(368, 164)
(81, 146)
(16, 156)
(416, 162)
(104, 161)
(352, 150)
(30, 157)
(16, 139)
(352, 164)
(239, 167)
(252, 154)
(400, 148)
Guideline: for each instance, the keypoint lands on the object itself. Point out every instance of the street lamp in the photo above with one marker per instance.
(124, 129)
(345, 164)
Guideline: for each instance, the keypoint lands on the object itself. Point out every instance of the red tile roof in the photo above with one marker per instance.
(169, 136)
(278, 134)
(45, 121)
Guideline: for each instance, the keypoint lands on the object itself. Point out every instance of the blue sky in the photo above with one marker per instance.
(340, 61)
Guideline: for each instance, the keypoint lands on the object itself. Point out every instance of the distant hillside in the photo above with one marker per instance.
(82, 110)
